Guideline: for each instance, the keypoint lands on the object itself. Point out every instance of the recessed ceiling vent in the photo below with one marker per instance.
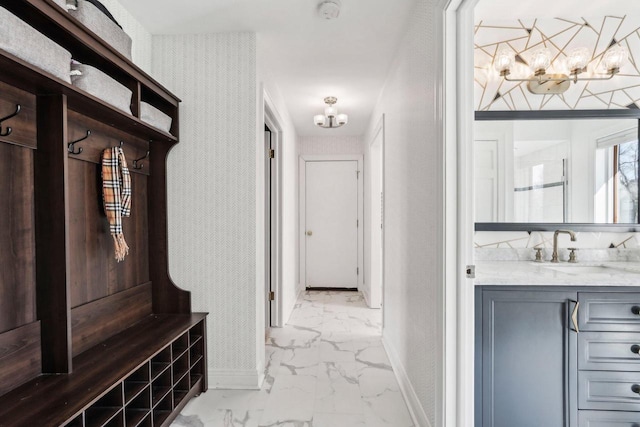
(329, 9)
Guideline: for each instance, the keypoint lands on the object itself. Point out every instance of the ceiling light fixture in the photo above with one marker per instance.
(577, 61)
(330, 119)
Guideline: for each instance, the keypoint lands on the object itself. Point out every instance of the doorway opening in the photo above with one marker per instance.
(270, 227)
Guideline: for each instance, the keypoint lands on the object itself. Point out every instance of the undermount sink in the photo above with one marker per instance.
(584, 269)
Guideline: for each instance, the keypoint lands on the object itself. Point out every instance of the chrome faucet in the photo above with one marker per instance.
(554, 255)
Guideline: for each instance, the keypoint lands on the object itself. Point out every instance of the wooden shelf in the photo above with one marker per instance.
(60, 26)
(25, 76)
(54, 399)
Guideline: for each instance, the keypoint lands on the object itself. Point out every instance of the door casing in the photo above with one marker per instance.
(303, 159)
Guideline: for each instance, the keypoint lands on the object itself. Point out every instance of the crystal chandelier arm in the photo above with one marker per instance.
(573, 78)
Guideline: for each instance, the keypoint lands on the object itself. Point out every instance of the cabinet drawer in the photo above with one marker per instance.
(612, 391)
(609, 351)
(23, 125)
(608, 419)
(609, 311)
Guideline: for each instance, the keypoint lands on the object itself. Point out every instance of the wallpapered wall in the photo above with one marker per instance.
(560, 36)
(212, 189)
(413, 219)
(331, 144)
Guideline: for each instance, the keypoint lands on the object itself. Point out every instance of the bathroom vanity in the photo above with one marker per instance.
(557, 344)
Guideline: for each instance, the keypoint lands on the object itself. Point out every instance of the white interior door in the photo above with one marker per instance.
(331, 224)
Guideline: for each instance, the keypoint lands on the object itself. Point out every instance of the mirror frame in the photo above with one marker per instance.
(560, 115)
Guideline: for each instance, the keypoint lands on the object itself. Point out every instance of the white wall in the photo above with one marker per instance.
(331, 144)
(141, 46)
(212, 194)
(413, 206)
(288, 158)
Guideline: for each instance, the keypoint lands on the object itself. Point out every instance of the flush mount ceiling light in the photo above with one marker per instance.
(330, 119)
(577, 61)
(329, 9)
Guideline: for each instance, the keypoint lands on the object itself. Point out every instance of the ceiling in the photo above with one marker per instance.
(308, 57)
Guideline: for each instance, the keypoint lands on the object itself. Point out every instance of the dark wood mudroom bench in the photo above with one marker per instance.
(86, 341)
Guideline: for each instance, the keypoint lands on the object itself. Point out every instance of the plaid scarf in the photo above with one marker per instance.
(116, 194)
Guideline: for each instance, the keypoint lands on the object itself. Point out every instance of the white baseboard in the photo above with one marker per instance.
(416, 410)
(365, 294)
(235, 380)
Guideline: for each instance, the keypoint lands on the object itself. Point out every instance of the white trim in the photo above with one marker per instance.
(303, 159)
(418, 416)
(459, 407)
(378, 129)
(235, 379)
(273, 120)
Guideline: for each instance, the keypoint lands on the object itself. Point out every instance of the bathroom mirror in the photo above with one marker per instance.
(541, 171)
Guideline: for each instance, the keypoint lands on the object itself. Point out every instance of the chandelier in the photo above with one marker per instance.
(577, 61)
(330, 118)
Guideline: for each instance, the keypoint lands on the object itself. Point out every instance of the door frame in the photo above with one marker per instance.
(272, 120)
(459, 318)
(302, 160)
(378, 131)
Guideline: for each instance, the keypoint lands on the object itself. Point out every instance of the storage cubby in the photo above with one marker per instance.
(180, 367)
(162, 410)
(117, 421)
(180, 346)
(181, 389)
(135, 383)
(160, 387)
(106, 409)
(138, 408)
(160, 363)
(198, 371)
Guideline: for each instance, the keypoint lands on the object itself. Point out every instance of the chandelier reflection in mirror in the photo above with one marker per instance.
(330, 119)
(576, 63)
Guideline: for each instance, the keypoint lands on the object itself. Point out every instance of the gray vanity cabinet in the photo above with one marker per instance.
(527, 359)
(557, 357)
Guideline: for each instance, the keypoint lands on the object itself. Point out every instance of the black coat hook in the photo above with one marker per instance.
(136, 161)
(9, 130)
(71, 146)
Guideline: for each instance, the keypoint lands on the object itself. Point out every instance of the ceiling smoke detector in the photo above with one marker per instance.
(329, 9)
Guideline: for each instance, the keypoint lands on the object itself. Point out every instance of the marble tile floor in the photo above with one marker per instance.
(325, 368)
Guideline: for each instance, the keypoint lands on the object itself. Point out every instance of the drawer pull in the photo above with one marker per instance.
(635, 349)
(8, 131)
(574, 317)
(635, 388)
(635, 310)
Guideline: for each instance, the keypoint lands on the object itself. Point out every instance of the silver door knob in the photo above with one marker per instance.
(309, 233)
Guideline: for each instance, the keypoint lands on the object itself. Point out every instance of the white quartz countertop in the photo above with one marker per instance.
(529, 273)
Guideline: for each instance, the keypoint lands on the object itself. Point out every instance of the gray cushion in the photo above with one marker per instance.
(102, 86)
(104, 27)
(154, 117)
(22, 40)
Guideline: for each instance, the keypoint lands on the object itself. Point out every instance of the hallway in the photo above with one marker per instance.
(326, 368)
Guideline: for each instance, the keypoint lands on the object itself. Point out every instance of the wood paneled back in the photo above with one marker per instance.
(94, 272)
(96, 321)
(17, 238)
